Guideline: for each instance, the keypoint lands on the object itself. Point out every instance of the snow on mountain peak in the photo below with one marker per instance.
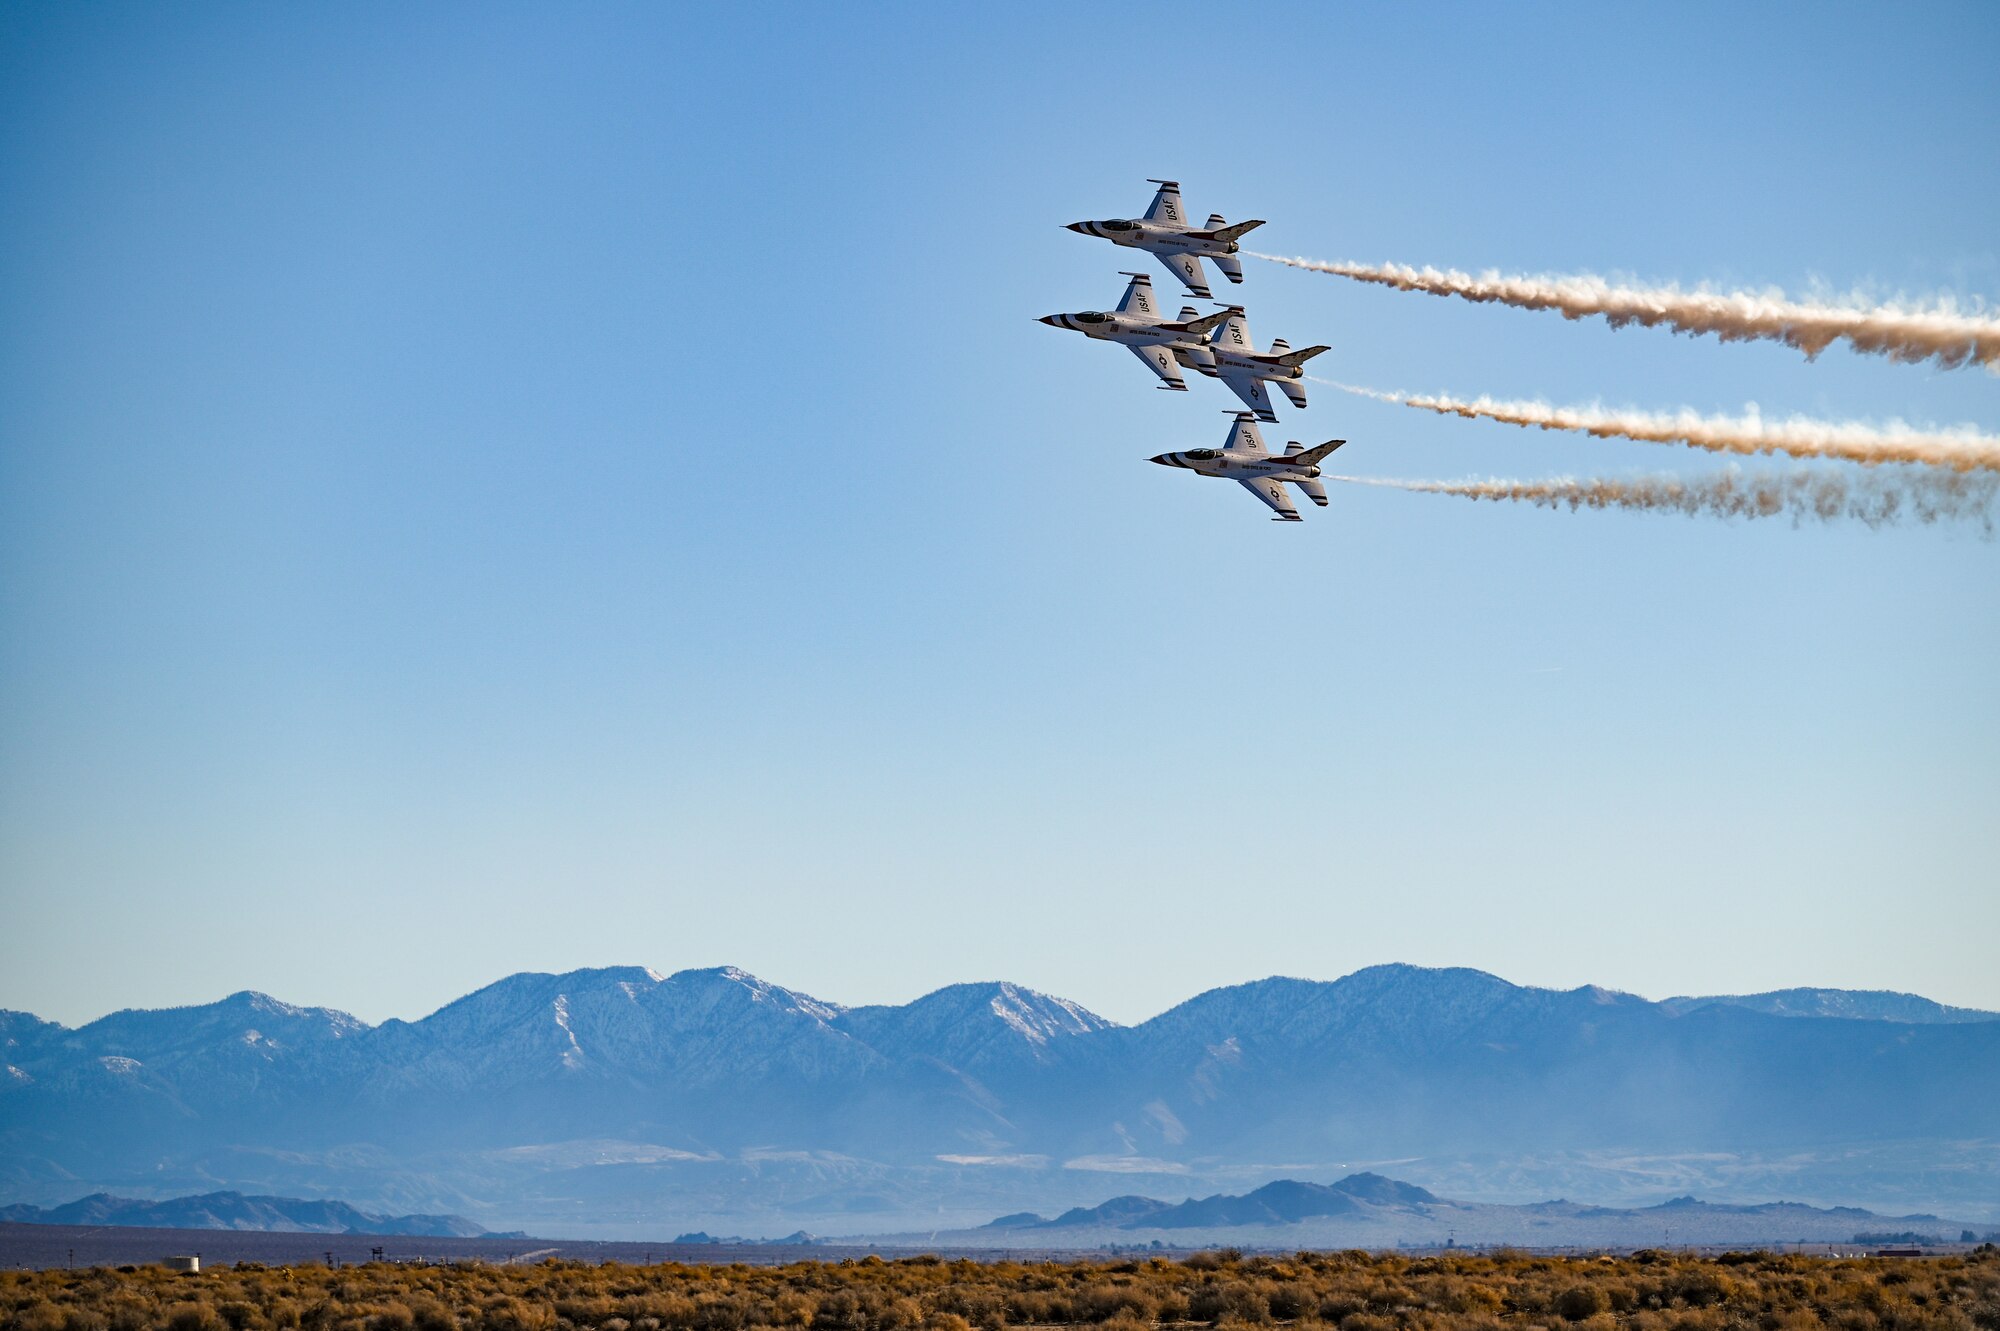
(572, 1057)
(760, 991)
(1037, 1016)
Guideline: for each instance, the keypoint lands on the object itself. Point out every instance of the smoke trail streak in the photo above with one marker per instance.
(1903, 333)
(1961, 448)
(1874, 498)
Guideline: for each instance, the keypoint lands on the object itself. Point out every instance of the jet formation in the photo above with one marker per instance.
(1217, 345)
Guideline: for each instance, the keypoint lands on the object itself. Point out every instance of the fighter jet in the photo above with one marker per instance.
(1136, 324)
(1234, 359)
(1164, 233)
(1244, 459)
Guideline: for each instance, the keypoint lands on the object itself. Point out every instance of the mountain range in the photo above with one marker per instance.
(1281, 1202)
(1368, 1210)
(233, 1210)
(620, 1100)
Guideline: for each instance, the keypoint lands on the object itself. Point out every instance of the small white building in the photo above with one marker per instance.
(189, 1265)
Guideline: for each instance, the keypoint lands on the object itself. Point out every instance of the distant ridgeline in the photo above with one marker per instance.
(233, 1210)
(712, 1097)
(1287, 1201)
(1368, 1210)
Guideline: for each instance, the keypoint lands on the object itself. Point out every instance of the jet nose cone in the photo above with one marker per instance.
(1162, 459)
(1077, 227)
(1052, 320)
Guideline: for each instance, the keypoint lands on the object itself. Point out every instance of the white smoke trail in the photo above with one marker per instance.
(1960, 448)
(1874, 498)
(1903, 333)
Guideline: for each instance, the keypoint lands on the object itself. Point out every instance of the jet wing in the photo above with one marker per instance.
(1273, 493)
(1251, 389)
(1161, 362)
(1245, 437)
(1138, 297)
(1234, 335)
(1188, 269)
(1166, 203)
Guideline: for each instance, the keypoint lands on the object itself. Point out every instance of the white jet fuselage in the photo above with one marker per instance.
(1161, 345)
(1238, 466)
(1157, 237)
(1244, 459)
(1165, 234)
(1135, 330)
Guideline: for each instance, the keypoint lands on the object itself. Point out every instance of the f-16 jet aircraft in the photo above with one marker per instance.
(1244, 459)
(1234, 359)
(1136, 324)
(1164, 233)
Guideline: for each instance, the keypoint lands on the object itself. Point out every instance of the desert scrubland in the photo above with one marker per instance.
(1647, 1291)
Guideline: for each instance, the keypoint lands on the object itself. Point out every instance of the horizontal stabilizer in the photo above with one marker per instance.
(1294, 359)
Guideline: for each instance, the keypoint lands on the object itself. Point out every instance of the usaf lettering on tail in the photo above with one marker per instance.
(1165, 234)
(1244, 459)
(1136, 324)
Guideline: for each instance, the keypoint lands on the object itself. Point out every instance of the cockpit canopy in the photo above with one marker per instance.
(1119, 226)
(1202, 454)
(1093, 317)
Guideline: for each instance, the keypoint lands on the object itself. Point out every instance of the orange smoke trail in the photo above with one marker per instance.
(1903, 333)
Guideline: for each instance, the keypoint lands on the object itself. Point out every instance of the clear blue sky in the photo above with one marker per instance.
(522, 487)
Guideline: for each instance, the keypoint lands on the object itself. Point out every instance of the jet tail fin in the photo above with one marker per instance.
(1205, 323)
(1294, 359)
(1231, 266)
(1235, 232)
(1311, 457)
